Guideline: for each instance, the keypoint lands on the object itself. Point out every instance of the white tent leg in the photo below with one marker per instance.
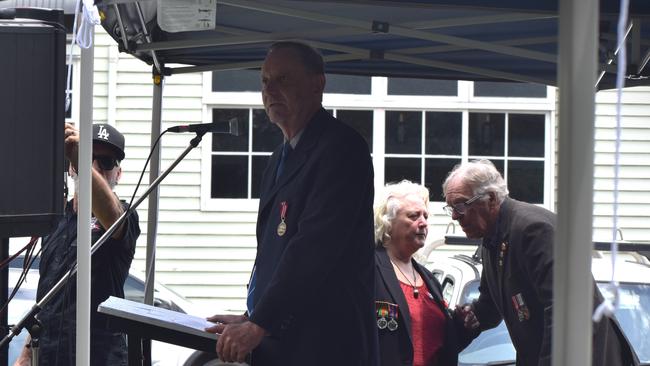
(572, 287)
(83, 214)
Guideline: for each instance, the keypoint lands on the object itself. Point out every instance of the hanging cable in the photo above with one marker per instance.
(28, 260)
(608, 306)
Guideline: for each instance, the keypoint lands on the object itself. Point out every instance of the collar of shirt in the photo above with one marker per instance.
(294, 141)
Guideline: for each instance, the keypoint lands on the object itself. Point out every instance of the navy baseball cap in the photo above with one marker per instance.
(107, 134)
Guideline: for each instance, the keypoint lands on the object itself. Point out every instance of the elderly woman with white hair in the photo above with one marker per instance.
(414, 324)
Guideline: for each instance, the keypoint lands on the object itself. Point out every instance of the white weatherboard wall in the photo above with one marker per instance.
(634, 173)
(207, 256)
(204, 256)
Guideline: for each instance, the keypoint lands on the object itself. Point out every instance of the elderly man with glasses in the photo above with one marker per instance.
(110, 263)
(517, 278)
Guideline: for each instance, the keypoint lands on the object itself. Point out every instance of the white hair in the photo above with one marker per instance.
(481, 176)
(389, 200)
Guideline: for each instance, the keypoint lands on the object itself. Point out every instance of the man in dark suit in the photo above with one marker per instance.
(310, 297)
(517, 278)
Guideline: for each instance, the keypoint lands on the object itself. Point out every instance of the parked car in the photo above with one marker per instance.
(162, 354)
(460, 276)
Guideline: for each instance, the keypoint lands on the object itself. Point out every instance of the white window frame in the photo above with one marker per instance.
(380, 102)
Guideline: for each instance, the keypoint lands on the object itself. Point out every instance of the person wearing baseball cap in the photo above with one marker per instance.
(110, 136)
(110, 263)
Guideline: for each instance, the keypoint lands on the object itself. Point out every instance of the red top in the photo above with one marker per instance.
(427, 325)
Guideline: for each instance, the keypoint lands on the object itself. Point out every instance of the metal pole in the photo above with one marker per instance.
(573, 290)
(152, 213)
(84, 204)
(154, 171)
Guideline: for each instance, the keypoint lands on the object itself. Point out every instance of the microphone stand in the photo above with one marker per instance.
(29, 320)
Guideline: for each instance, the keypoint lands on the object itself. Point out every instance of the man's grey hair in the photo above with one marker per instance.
(310, 57)
(481, 176)
(389, 200)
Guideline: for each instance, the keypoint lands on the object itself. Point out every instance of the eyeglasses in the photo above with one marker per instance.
(106, 162)
(461, 208)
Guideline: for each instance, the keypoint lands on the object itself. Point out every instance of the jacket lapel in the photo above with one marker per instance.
(269, 175)
(291, 166)
(294, 161)
(389, 278)
(493, 259)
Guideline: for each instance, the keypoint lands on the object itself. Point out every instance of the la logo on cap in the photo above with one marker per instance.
(103, 133)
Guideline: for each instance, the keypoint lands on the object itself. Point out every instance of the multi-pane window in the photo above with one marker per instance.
(416, 129)
(236, 81)
(408, 86)
(238, 162)
(424, 146)
(360, 120)
(348, 84)
(423, 160)
(512, 90)
(515, 143)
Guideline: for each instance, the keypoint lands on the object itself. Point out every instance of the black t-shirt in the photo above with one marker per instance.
(110, 267)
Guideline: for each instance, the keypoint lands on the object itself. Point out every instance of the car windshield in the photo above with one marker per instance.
(633, 313)
(491, 347)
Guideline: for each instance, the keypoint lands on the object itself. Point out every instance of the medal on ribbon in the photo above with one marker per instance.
(392, 325)
(382, 311)
(393, 314)
(282, 227)
(520, 307)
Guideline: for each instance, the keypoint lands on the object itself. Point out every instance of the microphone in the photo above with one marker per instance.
(230, 128)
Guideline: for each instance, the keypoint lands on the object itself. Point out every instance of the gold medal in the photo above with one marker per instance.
(282, 228)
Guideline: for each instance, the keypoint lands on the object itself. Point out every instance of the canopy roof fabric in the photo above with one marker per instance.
(441, 39)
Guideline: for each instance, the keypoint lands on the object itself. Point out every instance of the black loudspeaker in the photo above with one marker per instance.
(32, 116)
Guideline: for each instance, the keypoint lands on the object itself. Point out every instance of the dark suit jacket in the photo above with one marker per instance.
(396, 347)
(517, 285)
(314, 291)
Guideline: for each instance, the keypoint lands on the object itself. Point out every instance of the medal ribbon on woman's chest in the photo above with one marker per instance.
(387, 315)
